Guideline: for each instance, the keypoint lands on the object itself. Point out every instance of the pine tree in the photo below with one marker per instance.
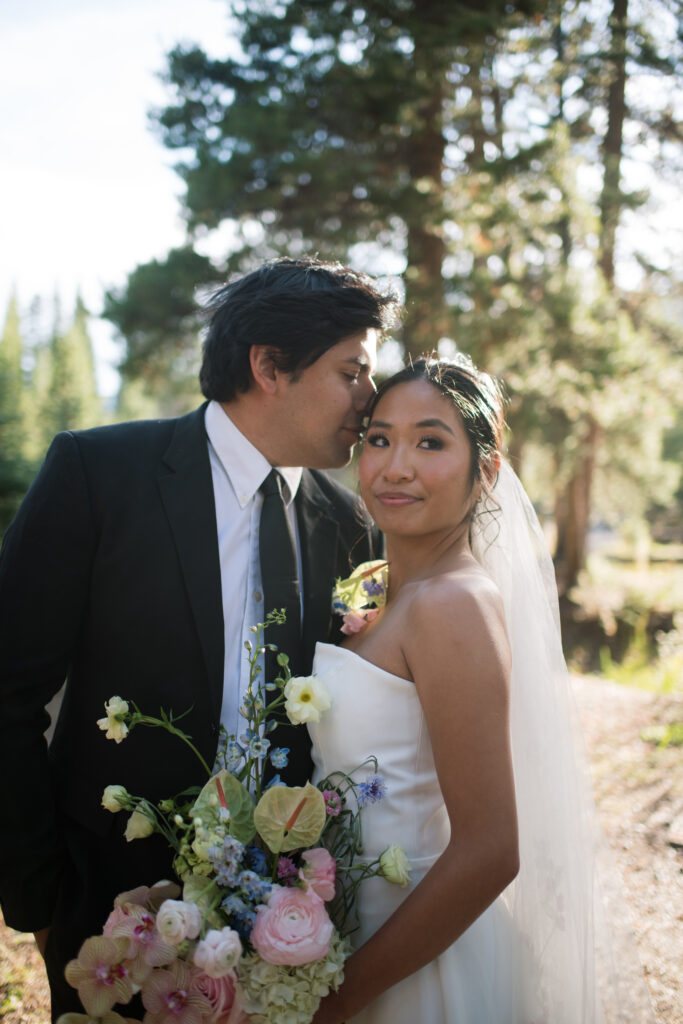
(15, 467)
(72, 402)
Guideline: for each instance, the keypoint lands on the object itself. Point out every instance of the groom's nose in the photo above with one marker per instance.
(363, 392)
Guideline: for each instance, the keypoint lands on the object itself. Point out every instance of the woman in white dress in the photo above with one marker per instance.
(459, 688)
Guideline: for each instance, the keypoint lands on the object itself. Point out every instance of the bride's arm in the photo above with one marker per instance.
(459, 658)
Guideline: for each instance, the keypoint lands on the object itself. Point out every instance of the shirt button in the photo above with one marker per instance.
(258, 596)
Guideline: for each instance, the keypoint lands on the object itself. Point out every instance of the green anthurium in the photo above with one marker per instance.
(288, 817)
(223, 790)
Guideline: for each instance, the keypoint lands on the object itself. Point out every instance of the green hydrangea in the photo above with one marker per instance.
(290, 995)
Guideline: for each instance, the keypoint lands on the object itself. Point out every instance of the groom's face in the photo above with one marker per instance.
(321, 407)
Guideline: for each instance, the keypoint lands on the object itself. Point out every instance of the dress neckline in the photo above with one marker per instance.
(369, 664)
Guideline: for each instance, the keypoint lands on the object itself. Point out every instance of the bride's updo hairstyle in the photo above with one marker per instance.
(478, 398)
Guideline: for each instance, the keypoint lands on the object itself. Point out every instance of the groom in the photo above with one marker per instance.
(135, 568)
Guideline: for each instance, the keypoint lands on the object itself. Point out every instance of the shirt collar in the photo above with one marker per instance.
(244, 465)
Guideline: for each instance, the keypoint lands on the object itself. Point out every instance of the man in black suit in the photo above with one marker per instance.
(132, 569)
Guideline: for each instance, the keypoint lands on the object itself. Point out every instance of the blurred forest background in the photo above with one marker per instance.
(500, 163)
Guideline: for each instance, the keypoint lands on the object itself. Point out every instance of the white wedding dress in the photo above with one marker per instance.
(377, 713)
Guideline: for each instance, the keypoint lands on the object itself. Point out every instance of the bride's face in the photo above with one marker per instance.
(416, 462)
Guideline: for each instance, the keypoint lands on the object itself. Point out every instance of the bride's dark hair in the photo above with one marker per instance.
(478, 398)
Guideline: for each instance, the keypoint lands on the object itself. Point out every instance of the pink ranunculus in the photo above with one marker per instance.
(319, 872)
(219, 952)
(221, 994)
(292, 928)
(355, 621)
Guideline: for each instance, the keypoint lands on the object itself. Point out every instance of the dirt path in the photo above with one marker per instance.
(639, 791)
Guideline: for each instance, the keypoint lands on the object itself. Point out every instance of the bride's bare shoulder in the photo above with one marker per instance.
(458, 607)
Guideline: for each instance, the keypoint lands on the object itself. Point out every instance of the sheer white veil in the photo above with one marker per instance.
(573, 967)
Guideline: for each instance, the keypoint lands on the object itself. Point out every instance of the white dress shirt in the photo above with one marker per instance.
(238, 469)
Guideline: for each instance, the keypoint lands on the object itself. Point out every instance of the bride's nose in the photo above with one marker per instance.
(398, 465)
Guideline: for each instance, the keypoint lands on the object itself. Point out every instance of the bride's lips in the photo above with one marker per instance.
(396, 499)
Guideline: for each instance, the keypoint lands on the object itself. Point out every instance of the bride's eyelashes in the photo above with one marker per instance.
(429, 442)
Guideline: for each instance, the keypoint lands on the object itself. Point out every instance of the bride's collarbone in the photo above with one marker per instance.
(380, 643)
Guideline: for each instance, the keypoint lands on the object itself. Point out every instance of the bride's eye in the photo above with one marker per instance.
(431, 443)
(377, 440)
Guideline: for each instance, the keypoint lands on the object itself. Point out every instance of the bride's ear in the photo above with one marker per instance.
(492, 469)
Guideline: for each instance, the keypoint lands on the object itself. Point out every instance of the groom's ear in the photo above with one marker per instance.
(263, 368)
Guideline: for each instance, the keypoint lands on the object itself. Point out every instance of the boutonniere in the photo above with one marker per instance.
(361, 595)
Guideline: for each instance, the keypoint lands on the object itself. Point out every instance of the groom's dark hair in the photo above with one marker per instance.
(299, 308)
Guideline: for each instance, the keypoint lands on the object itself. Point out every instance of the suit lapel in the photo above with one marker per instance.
(186, 489)
(319, 535)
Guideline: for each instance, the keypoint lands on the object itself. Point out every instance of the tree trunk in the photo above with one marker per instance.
(610, 199)
(572, 513)
(426, 318)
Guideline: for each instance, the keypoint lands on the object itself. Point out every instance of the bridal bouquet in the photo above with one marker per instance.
(259, 930)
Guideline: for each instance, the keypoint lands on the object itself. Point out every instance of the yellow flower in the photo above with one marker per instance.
(307, 698)
(395, 866)
(114, 723)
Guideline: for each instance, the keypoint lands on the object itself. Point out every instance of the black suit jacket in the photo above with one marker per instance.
(110, 579)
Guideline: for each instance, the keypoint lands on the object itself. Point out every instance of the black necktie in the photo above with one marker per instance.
(279, 575)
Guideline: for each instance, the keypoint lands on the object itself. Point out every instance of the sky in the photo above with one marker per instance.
(87, 190)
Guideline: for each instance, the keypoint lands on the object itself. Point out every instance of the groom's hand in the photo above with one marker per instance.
(41, 940)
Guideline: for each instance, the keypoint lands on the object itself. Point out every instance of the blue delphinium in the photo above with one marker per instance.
(226, 860)
(373, 588)
(372, 790)
(234, 755)
(255, 859)
(279, 756)
(253, 886)
(242, 916)
(258, 747)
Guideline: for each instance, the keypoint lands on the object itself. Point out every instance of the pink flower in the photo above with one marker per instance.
(292, 928)
(355, 621)
(333, 802)
(218, 952)
(152, 898)
(146, 946)
(220, 993)
(173, 996)
(178, 920)
(100, 974)
(319, 872)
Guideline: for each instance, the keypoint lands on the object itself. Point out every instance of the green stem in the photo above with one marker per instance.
(139, 719)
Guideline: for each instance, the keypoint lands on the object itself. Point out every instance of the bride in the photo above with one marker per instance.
(459, 688)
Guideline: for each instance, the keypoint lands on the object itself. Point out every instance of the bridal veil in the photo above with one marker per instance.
(575, 963)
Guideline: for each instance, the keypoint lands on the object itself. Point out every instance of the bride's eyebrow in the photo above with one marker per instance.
(435, 423)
